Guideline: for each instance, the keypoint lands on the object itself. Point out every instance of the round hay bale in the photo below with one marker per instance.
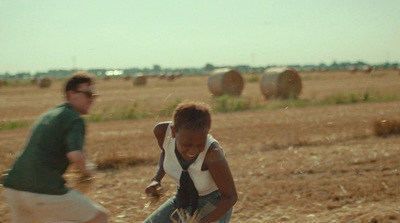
(139, 80)
(153, 75)
(280, 82)
(162, 75)
(178, 74)
(170, 77)
(367, 69)
(225, 81)
(34, 80)
(127, 77)
(44, 82)
(386, 127)
(352, 69)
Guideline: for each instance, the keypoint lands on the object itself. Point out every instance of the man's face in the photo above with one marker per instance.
(82, 98)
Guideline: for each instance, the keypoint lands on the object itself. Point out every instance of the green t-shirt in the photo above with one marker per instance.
(41, 165)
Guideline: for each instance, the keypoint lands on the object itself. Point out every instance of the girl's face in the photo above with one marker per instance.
(190, 143)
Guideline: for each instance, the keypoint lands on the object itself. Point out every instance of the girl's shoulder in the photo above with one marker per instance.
(214, 153)
(161, 127)
(160, 130)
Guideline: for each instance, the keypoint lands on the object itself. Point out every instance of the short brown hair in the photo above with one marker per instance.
(78, 77)
(192, 115)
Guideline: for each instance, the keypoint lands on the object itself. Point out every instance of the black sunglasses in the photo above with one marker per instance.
(87, 93)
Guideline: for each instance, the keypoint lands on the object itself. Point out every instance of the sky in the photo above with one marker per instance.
(37, 36)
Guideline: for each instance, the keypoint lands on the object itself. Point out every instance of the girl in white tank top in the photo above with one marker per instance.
(207, 185)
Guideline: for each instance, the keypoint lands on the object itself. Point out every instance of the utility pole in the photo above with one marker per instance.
(74, 63)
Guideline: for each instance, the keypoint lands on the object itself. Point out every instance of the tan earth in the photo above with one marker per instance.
(310, 164)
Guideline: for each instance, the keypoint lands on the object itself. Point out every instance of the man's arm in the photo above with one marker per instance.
(77, 157)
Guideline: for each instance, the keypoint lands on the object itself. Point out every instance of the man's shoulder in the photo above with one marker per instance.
(66, 110)
(61, 113)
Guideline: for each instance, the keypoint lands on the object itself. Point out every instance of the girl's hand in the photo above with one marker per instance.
(151, 189)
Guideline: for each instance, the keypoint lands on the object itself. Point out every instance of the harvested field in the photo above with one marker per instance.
(311, 164)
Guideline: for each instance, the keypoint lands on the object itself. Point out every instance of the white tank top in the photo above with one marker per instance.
(202, 179)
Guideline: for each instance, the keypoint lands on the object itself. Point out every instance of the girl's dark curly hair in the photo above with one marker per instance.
(192, 115)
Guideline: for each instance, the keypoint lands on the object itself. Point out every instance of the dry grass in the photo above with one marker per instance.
(115, 160)
(185, 217)
(314, 164)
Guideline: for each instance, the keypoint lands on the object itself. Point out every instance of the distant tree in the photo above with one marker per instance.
(242, 68)
(360, 63)
(146, 70)
(156, 68)
(132, 70)
(6, 75)
(322, 65)
(24, 75)
(209, 67)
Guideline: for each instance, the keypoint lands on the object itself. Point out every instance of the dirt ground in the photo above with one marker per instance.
(313, 164)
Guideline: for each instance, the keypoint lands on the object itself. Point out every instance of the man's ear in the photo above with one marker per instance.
(173, 131)
(68, 94)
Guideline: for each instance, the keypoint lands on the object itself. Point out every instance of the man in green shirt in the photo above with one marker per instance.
(35, 188)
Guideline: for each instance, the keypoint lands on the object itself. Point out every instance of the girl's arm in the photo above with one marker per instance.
(159, 132)
(151, 189)
(218, 166)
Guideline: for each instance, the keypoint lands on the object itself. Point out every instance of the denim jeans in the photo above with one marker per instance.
(163, 213)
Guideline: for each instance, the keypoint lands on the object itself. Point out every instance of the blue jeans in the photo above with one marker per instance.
(163, 213)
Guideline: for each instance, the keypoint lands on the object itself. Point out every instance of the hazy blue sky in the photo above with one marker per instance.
(51, 34)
